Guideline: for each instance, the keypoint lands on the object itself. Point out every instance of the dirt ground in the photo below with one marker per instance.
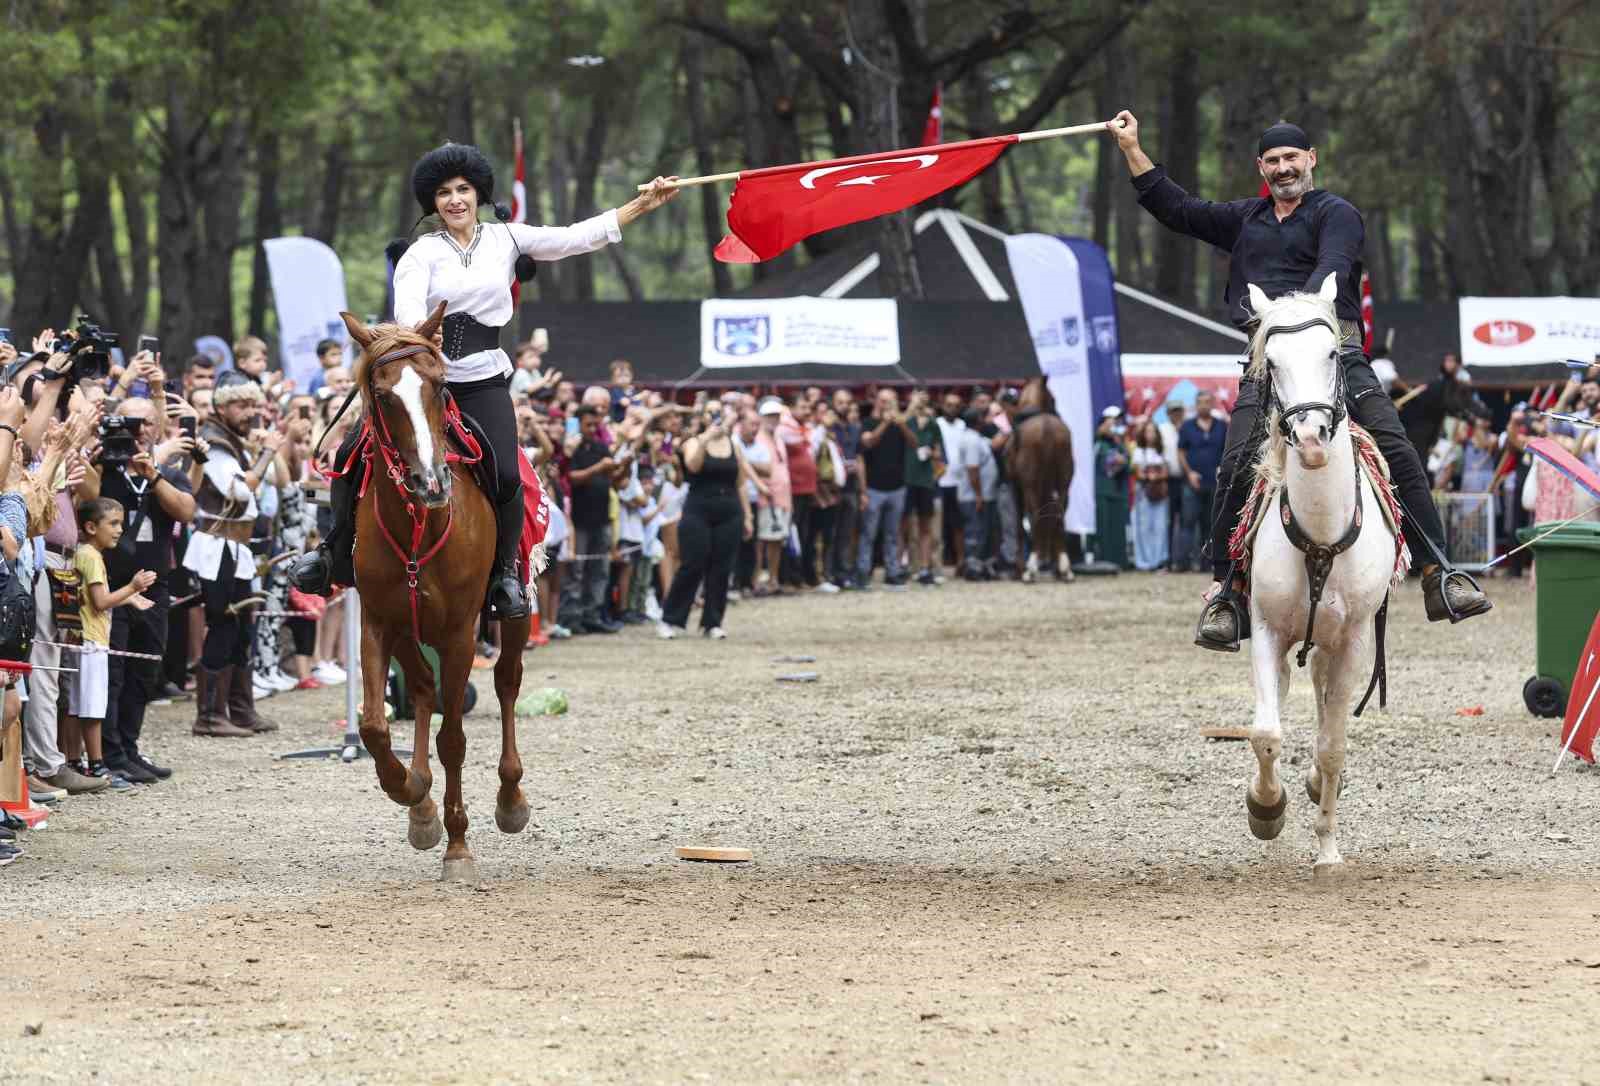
(990, 847)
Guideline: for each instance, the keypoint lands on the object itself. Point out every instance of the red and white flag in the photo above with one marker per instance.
(519, 195)
(776, 208)
(1366, 313)
(933, 130)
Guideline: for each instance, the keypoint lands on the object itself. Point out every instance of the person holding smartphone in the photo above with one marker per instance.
(716, 516)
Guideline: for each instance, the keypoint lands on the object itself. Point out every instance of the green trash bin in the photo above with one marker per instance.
(400, 697)
(1567, 571)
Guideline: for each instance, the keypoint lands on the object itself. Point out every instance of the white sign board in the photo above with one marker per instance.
(1046, 274)
(1527, 331)
(745, 332)
(308, 291)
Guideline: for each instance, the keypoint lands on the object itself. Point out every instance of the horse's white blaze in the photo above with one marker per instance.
(409, 389)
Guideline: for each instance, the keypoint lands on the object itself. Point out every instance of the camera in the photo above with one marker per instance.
(89, 346)
(119, 438)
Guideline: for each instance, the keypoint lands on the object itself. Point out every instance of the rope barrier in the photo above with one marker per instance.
(99, 649)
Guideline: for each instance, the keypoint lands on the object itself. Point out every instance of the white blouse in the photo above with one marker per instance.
(477, 280)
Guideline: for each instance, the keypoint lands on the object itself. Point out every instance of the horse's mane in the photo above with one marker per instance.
(386, 338)
(1265, 322)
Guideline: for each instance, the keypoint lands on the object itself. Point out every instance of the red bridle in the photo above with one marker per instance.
(394, 466)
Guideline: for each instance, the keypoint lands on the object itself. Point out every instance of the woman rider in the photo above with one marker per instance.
(470, 266)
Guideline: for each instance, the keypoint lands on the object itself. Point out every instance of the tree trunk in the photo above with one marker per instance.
(693, 54)
(1180, 143)
(335, 168)
(625, 272)
(586, 176)
(35, 305)
(269, 224)
(552, 276)
(985, 121)
(876, 123)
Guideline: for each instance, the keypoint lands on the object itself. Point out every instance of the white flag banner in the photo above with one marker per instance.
(308, 291)
(744, 332)
(1046, 274)
(1528, 331)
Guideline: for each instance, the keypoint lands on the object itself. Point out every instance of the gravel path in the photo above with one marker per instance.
(990, 845)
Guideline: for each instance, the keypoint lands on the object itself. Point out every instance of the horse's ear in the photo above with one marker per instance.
(430, 327)
(358, 331)
(1258, 299)
(1330, 288)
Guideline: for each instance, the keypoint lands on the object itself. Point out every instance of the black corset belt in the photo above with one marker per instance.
(463, 335)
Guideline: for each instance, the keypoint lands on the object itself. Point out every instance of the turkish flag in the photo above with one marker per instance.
(778, 207)
(1583, 716)
(933, 127)
(1366, 313)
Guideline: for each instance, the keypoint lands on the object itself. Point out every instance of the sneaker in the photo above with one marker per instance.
(716, 633)
(559, 632)
(633, 618)
(261, 689)
(172, 691)
(329, 673)
(72, 782)
(925, 578)
(115, 782)
(132, 771)
(733, 595)
(9, 853)
(899, 580)
(277, 677)
(828, 588)
(667, 632)
(310, 682)
(160, 772)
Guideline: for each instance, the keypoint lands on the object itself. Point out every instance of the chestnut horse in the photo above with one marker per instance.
(425, 539)
(1039, 461)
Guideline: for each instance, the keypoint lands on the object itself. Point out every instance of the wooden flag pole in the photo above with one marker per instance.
(1022, 137)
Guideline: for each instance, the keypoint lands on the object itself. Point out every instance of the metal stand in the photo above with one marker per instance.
(352, 748)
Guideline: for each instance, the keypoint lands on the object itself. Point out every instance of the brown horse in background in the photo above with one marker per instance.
(1039, 461)
(425, 539)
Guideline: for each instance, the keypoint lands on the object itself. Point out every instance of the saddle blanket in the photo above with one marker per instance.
(1262, 493)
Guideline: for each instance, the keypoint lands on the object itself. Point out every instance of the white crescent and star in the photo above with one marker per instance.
(810, 178)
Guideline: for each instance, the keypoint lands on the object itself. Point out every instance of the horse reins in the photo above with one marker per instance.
(394, 466)
(1335, 409)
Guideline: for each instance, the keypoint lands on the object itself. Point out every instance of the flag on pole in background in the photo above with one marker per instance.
(1366, 313)
(519, 194)
(775, 208)
(933, 130)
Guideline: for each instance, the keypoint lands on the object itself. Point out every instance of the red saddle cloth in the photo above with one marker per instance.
(535, 520)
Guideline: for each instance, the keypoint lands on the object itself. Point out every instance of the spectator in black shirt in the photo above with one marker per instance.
(583, 588)
(883, 503)
(156, 498)
(1293, 240)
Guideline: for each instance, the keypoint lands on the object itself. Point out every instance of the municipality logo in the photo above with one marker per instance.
(1105, 334)
(741, 336)
(1069, 331)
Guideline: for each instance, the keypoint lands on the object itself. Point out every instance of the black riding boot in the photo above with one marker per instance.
(508, 596)
(332, 563)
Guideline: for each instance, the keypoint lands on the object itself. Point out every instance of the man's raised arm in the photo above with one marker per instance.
(1216, 224)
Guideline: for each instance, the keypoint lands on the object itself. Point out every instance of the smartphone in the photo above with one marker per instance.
(541, 340)
(5, 335)
(186, 426)
(149, 343)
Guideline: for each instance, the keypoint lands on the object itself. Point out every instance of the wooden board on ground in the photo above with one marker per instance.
(1226, 731)
(711, 855)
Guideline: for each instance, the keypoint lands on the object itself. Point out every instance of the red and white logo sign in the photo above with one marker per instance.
(1503, 333)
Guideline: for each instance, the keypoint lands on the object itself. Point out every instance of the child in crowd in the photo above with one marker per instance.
(100, 527)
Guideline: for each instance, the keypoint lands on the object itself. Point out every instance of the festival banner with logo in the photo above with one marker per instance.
(308, 292)
(740, 332)
(1527, 331)
(1150, 381)
(1066, 292)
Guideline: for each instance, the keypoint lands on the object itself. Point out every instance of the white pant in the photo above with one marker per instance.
(39, 714)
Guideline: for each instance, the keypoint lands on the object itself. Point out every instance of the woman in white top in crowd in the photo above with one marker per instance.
(1152, 493)
(470, 265)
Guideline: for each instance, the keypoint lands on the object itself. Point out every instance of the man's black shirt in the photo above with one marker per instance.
(591, 501)
(1324, 234)
(147, 535)
(885, 462)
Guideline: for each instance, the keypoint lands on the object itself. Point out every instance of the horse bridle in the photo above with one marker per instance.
(1286, 415)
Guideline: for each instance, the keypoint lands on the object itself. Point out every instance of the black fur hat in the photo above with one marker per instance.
(452, 160)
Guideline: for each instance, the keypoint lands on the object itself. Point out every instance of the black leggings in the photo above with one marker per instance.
(708, 541)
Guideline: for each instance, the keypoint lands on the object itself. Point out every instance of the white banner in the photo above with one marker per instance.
(1046, 274)
(741, 332)
(308, 291)
(1527, 331)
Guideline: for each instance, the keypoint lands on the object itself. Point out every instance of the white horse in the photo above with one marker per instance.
(1336, 533)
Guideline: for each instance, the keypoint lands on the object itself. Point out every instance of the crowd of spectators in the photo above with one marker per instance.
(658, 507)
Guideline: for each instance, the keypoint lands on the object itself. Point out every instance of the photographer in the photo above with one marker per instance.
(156, 496)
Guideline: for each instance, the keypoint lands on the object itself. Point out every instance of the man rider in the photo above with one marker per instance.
(1291, 241)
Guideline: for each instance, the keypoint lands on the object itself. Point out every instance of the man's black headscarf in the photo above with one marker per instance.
(452, 160)
(1283, 134)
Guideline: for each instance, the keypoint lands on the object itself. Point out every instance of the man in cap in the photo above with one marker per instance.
(1291, 241)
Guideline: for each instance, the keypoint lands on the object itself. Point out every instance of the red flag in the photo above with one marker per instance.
(519, 196)
(1266, 189)
(1366, 313)
(1583, 715)
(778, 207)
(933, 129)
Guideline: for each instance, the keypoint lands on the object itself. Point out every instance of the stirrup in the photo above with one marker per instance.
(1234, 603)
(508, 596)
(1447, 611)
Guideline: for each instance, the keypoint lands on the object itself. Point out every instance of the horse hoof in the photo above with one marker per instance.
(514, 820)
(424, 829)
(1327, 872)
(1314, 785)
(463, 869)
(1266, 822)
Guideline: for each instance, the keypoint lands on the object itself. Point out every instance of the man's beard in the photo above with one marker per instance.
(1291, 189)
